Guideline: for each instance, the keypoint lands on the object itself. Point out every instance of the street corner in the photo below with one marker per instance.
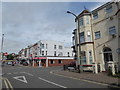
(6, 84)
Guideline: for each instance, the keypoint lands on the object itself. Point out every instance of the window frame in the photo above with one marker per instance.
(81, 21)
(109, 9)
(95, 15)
(111, 29)
(82, 35)
(96, 33)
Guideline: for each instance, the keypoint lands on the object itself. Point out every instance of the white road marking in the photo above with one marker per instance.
(29, 74)
(22, 72)
(15, 73)
(84, 80)
(9, 73)
(52, 82)
(22, 80)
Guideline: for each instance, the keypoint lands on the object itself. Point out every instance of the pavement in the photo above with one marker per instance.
(100, 78)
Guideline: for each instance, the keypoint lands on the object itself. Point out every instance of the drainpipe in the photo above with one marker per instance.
(95, 64)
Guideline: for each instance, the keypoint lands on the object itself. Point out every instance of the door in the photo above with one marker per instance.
(107, 56)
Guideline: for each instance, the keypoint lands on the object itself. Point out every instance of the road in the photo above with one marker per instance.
(40, 77)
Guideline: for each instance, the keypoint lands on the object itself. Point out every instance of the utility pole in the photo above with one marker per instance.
(2, 47)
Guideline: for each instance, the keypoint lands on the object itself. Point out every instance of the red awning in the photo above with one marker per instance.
(39, 58)
(42, 58)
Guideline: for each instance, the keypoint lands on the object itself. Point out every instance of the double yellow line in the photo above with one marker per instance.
(7, 84)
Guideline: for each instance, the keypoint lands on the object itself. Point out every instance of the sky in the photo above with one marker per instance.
(25, 23)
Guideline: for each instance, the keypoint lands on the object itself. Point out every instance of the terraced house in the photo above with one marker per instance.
(97, 37)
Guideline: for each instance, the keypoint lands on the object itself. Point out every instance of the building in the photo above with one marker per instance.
(52, 48)
(47, 53)
(98, 37)
(51, 61)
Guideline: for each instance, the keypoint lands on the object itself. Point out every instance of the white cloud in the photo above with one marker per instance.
(26, 23)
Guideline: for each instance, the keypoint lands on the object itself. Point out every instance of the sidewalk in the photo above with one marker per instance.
(100, 77)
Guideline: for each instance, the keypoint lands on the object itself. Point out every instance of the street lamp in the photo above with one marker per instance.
(78, 38)
(2, 47)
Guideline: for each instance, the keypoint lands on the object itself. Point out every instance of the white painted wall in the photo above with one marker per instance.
(50, 48)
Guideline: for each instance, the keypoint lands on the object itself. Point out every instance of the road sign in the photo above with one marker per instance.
(21, 78)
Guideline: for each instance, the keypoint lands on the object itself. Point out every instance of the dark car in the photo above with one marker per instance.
(25, 63)
(72, 64)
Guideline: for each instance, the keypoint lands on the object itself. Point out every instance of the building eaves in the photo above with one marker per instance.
(101, 7)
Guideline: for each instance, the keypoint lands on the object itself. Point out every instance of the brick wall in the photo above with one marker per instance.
(56, 62)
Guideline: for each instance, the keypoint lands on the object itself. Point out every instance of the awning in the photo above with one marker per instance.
(40, 58)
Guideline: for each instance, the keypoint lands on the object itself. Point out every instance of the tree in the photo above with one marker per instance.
(10, 57)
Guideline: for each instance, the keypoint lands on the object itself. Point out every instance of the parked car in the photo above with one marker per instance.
(72, 64)
(9, 63)
(25, 63)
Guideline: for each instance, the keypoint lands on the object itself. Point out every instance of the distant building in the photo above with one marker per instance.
(46, 48)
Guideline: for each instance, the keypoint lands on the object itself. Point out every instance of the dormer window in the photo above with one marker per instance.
(95, 15)
(109, 9)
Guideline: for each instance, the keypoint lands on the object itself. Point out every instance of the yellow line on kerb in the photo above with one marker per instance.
(7, 84)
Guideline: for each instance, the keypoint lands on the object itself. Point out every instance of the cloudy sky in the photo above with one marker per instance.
(25, 23)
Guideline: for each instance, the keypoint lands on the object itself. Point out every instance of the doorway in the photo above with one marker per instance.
(107, 53)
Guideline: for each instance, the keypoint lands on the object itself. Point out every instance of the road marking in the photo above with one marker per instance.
(9, 84)
(84, 80)
(9, 73)
(29, 74)
(15, 73)
(6, 84)
(52, 82)
(22, 72)
(19, 78)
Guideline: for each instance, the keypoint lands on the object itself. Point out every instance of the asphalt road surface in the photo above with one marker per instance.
(40, 77)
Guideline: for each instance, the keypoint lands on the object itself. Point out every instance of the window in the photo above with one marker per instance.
(42, 45)
(97, 35)
(46, 52)
(88, 36)
(82, 37)
(54, 53)
(95, 15)
(90, 57)
(46, 46)
(68, 54)
(60, 54)
(112, 30)
(54, 46)
(59, 61)
(52, 62)
(81, 22)
(87, 20)
(60, 47)
(109, 9)
(42, 52)
(83, 57)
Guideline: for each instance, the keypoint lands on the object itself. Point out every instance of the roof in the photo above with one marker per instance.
(84, 12)
(103, 6)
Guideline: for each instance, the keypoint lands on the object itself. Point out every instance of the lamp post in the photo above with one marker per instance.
(78, 40)
(2, 47)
